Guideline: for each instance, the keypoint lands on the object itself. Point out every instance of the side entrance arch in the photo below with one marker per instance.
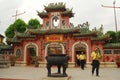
(77, 48)
(31, 52)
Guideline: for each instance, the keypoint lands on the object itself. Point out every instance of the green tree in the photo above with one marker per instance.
(33, 23)
(112, 36)
(118, 36)
(19, 25)
(10, 31)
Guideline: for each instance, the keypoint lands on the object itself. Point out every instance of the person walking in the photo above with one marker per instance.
(78, 60)
(96, 56)
(82, 58)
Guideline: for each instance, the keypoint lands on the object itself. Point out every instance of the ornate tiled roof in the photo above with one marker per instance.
(97, 34)
(100, 35)
(20, 36)
(5, 47)
(25, 35)
(84, 31)
(100, 38)
(55, 31)
(68, 12)
(85, 34)
(42, 14)
(13, 40)
(112, 45)
(55, 7)
(31, 34)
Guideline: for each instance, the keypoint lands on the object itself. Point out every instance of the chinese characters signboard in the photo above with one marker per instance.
(54, 38)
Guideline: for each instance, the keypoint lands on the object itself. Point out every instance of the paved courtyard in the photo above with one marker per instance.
(33, 73)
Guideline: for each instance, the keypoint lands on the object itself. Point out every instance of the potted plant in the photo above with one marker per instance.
(13, 59)
(118, 62)
(36, 61)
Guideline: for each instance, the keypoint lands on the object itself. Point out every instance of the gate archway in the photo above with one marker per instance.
(77, 48)
(55, 48)
(31, 50)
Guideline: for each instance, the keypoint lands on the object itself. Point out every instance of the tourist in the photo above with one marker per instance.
(78, 60)
(95, 55)
(82, 58)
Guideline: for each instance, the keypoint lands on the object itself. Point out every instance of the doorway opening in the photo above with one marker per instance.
(78, 49)
(31, 53)
(54, 48)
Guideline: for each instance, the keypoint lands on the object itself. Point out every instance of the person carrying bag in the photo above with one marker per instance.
(96, 56)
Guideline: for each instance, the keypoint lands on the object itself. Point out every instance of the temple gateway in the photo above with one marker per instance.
(59, 36)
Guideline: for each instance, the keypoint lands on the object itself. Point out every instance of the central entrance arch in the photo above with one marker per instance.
(54, 48)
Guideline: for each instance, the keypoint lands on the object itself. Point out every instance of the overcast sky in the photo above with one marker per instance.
(85, 10)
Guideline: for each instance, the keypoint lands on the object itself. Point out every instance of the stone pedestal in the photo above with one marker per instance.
(57, 75)
(57, 78)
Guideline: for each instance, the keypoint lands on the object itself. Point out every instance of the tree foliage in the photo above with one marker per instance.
(118, 36)
(10, 31)
(33, 23)
(19, 25)
(112, 35)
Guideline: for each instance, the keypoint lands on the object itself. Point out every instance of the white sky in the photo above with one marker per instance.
(85, 10)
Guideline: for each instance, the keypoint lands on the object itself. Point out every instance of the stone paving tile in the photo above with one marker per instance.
(32, 73)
